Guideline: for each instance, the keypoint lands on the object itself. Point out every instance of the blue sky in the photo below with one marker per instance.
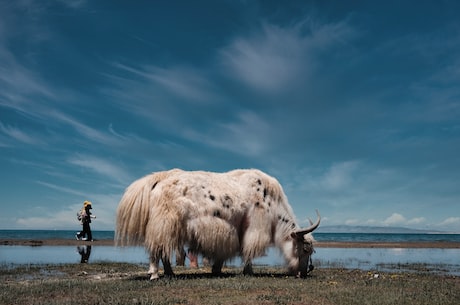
(354, 106)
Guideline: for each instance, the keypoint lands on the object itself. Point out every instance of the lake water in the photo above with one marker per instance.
(376, 259)
(340, 237)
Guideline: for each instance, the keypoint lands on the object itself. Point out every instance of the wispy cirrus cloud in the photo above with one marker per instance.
(247, 135)
(60, 188)
(101, 166)
(266, 62)
(108, 137)
(162, 97)
(20, 87)
(184, 82)
(18, 134)
(20, 84)
(339, 176)
(271, 59)
(85, 130)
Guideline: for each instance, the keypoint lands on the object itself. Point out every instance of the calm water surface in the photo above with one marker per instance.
(383, 259)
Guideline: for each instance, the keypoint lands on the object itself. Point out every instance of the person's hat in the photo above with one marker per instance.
(87, 203)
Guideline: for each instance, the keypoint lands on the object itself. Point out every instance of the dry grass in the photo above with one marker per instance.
(120, 283)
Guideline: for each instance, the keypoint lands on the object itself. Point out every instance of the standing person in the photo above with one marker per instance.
(85, 218)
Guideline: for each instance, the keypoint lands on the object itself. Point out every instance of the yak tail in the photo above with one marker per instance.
(134, 210)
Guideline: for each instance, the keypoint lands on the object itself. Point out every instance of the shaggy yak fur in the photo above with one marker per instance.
(220, 215)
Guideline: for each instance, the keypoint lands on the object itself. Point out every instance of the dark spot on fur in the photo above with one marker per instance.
(265, 192)
(184, 192)
(212, 197)
(269, 204)
(283, 219)
(293, 226)
(257, 203)
(217, 213)
(226, 201)
(259, 182)
(154, 185)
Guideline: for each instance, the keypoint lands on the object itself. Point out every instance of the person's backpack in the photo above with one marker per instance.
(81, 215)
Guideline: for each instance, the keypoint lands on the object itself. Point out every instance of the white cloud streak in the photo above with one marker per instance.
(395, 219)
(276, 56)
(339, 176)
(187, 83)
(20, 135)
(101, 166)
(451, 221)
(248, 135)
(67, 190)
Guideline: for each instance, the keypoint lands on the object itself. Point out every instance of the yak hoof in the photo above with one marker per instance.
(216, 271)
(248, 271)
(154, 277)
(217, 268)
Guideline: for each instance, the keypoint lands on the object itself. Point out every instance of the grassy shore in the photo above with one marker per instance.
(121, 283)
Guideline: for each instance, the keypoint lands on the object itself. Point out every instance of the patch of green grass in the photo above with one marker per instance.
(119, 283)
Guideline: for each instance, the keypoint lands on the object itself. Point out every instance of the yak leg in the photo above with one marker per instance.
(180, 257)
(206, 261)
(154, 266)
(217, 267)
(193, 257)
(167, 266)
(248, 268)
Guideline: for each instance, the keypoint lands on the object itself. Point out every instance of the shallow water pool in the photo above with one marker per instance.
(382, 259)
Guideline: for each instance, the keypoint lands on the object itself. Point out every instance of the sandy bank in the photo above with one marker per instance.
(109, 242)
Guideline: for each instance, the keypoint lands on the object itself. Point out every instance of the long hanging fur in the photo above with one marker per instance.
(133, 212)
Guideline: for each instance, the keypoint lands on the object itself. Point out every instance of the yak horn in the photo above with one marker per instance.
(311, 228)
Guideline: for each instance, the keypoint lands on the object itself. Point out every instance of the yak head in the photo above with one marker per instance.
(303, 249)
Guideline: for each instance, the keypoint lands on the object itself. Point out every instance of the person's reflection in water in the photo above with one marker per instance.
(85, 252)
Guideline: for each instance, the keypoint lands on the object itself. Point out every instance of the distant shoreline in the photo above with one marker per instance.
(331, 244)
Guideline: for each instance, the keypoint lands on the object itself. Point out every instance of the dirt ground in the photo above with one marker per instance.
(122, 283)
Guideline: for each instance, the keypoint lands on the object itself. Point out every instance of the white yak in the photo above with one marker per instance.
(220, 215)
